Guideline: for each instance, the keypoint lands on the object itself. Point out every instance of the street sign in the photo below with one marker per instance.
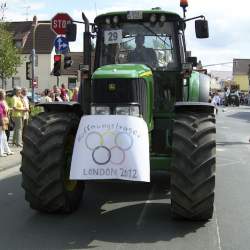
(61, 45)
(59, 23)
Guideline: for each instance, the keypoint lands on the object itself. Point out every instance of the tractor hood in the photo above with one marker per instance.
(122, 71)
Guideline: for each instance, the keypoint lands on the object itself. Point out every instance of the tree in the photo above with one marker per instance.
(9, 55)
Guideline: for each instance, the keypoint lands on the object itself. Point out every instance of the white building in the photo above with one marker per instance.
(44, 40)
(218, 78)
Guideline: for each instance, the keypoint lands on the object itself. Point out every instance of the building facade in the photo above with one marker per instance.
(241, 74)
(44, 42)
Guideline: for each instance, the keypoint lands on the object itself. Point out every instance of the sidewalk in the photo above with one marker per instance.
(11, 160)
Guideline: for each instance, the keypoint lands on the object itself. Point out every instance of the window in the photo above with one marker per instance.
(18, 44)
(16, 81)
(140, 43)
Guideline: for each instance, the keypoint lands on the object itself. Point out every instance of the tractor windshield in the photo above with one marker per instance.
(153, 45)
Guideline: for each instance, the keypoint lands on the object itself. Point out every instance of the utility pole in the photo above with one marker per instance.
(3, 8)
(33, 55)
(27, 12)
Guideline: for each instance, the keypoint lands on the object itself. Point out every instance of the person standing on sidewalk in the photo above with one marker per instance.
(46, 98)
(17, 114)
(26, 106)
(4, 122)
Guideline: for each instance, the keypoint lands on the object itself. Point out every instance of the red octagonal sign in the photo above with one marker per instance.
(59, 23)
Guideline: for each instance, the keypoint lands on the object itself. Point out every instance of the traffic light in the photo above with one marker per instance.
(57, 65)
(28, 71)
(67, 62)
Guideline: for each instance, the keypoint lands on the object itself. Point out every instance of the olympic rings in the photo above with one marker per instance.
(114, 161)
(120, 138)
(102, 154)
(95, 152)
(87, 140)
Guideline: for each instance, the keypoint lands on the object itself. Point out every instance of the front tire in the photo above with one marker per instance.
(193, 176)
(46, 159)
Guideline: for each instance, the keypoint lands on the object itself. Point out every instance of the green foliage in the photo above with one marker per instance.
(9, 55)
(35, 110)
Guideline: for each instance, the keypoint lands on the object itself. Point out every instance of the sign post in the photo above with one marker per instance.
(59, 23)
(61, 45)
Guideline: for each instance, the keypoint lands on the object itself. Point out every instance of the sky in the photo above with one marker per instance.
(229, 22)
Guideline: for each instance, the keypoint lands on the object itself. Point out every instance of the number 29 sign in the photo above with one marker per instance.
(112, 36)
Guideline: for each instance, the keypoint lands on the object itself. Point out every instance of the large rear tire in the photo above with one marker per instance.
(46, 159)
(193, 176)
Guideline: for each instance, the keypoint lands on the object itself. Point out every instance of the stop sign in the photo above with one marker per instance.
(59, 23)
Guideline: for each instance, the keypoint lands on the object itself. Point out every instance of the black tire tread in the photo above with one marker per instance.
(193, 176)
(42, 177)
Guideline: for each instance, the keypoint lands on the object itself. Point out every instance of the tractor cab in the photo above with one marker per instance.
(139, 38)
(137, 46)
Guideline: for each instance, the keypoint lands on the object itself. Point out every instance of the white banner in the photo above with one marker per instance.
(111, 147)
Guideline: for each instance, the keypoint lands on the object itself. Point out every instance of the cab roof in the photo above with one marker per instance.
(170, 16)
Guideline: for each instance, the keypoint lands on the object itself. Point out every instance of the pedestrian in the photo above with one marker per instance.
(58, 96)
(8, 111)
(26, 106)
(46, 98)
(75, 95)
(67, 99)
(63, 94)
(4, 122)
(17, 114)
(216, 101)
(52, 96)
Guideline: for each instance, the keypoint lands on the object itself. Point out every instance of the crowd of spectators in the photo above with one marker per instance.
(57, 94)
(14, 115)
(15, 112)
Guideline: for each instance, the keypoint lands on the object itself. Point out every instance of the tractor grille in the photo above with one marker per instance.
(113, 92)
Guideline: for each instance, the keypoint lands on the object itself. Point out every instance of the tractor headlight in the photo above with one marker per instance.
(134, 111)
(163, 19)
(107, 20)
(100, 110)
(153, 18)
(115, 19)
(122, 110)
(128, 110)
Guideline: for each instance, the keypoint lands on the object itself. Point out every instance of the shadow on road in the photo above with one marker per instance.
(241, 115)
(109, 212)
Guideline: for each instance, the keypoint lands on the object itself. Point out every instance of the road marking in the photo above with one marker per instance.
(10, 172)
(144, 210)
(228, 163)
(217, 228)
(220, 149)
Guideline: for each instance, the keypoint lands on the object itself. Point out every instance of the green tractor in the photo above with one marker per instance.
(141, 68)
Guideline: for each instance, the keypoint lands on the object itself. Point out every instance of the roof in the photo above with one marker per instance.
(241, 66)
(44, 36)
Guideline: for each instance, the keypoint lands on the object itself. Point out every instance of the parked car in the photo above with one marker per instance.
(37, 97)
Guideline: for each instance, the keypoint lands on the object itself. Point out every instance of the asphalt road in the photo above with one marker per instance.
(137, 216)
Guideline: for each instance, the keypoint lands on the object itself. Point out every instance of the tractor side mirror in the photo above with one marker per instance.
(71, 32)
(193, 60)
(201, 29)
